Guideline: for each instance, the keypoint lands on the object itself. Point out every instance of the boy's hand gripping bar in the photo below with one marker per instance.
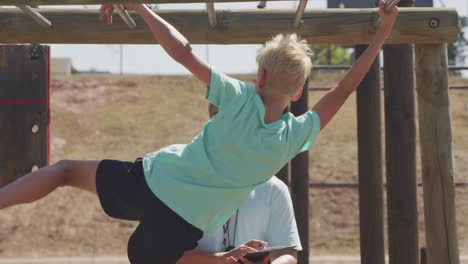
(389, 4)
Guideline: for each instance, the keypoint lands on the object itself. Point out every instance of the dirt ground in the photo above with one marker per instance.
(126, 117)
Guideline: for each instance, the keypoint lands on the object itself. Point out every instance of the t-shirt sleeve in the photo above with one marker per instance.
(282, 227)
(224, 90)
(304, 131)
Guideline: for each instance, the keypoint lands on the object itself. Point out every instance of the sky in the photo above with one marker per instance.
(151, 59)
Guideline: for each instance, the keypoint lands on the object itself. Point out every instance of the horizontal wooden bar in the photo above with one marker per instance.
(340, 26)
(98, 2)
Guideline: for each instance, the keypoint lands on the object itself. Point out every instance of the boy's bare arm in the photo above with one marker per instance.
(329, 104)
(173, 42)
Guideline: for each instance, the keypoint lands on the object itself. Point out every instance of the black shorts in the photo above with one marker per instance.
(162, 235)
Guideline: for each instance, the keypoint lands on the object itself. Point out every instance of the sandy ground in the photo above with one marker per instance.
(95, 117)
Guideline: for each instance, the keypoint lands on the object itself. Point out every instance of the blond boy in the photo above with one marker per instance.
(181, 191)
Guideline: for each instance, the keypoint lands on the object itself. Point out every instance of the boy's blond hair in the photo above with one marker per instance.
(286, 60)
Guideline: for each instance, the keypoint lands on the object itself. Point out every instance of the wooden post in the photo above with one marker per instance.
(24, 110)
(300, 183)
(423, 255)
(436, 154)
(283, 174)
(400, 133)
(370, 166)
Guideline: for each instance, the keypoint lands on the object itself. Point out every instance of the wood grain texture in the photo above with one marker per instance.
(97, 2)
(341, 26)
(23, 103)
(400, 146)
(436, 154)
(400, 150)
(370, 165)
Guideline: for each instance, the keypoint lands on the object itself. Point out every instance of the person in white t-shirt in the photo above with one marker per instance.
(267, 215)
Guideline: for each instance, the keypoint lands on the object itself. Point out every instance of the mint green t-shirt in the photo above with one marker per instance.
(207, 180)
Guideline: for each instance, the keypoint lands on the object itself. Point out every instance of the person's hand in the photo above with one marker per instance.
(265, 260)
(238, 253)
(387, 18)
(107, 10)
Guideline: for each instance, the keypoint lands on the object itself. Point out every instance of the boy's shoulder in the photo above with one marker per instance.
(228, 79)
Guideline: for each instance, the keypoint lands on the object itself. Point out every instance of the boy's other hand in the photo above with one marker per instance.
(387, 18)
(107, 10)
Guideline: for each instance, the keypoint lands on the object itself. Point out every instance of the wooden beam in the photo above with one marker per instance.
(98, 2)
(24, 110)
(340, 26)
(371, 213)
(400, 141)
(300, 183)
(436, 154)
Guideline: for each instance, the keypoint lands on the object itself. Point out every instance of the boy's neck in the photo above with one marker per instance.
(274, 107)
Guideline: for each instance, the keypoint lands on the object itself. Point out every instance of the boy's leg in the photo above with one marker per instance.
(37, 184)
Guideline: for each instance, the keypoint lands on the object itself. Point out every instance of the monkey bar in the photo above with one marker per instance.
(340, 26)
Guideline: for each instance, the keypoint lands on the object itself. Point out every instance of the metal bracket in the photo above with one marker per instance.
(35, 51)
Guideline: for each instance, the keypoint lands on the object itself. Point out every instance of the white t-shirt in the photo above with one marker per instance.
(267, 214)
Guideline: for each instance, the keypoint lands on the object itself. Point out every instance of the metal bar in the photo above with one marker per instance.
(211, 14)
(371, 216)
(458, 87)
(458, 67)
(328, 88)
(346, 67)
(300, 13)
(356, 184)
(125, 16)
(331, 67)
(35, 15)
